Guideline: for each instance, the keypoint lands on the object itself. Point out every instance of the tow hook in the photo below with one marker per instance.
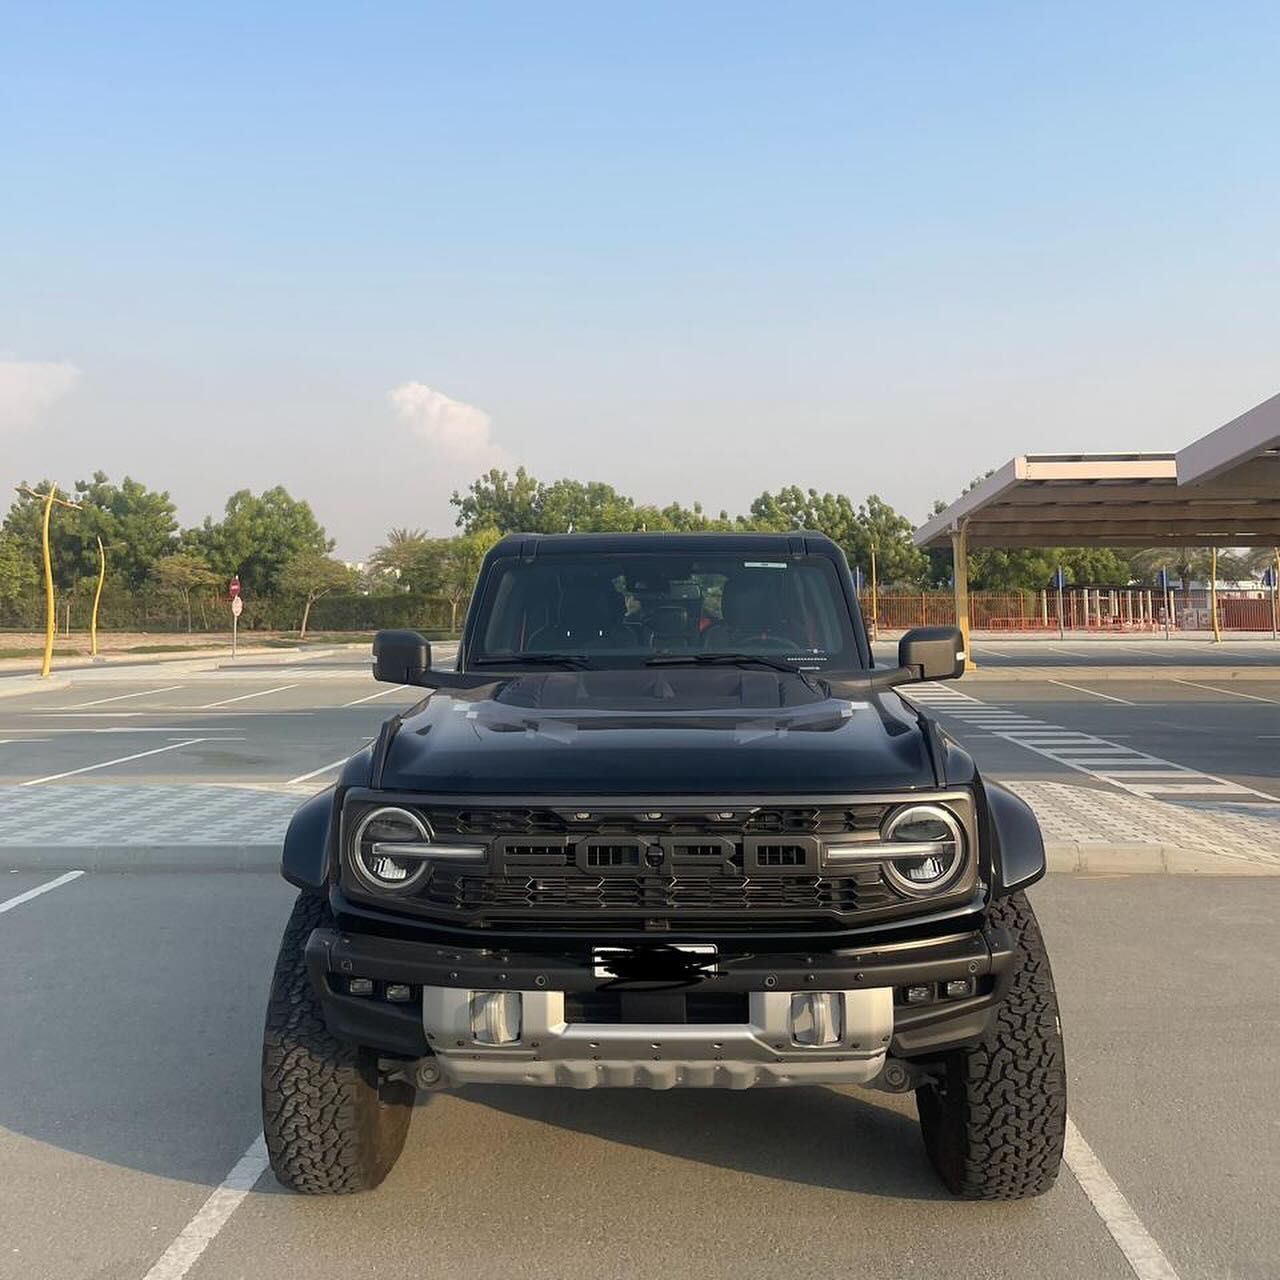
(898, 1076)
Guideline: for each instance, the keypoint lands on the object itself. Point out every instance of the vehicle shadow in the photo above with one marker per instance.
(818, 1137)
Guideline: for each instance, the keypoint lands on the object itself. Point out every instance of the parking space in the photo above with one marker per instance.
(128, 1108)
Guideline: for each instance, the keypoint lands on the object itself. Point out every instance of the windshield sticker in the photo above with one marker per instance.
(764, 564)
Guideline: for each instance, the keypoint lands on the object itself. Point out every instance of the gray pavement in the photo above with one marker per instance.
(131, 1014)
(121, 1113)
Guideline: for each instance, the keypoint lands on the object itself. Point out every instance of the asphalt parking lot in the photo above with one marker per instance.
(130, 1024)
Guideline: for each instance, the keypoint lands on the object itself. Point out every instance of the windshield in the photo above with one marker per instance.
(605, 610)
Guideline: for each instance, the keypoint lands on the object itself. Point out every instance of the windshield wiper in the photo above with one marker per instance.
(574, 661)
(723, 660)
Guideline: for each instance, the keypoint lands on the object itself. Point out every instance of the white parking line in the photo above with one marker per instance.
(1235, 693)
(120, 697)
(106, 764)
(315, 773)
(9, 903)
(244, 697)
(379, 694)
(212, 1216)
(1141, 1251)
(1079, 689)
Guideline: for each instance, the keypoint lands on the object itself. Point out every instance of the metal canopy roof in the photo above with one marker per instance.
(1223, 490)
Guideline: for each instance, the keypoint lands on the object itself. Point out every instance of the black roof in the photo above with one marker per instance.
(794, 543)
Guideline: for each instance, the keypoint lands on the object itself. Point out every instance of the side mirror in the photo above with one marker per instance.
(400, 657)
(933, 653)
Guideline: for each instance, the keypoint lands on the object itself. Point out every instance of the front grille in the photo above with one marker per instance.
(654, 869)
(650, 896)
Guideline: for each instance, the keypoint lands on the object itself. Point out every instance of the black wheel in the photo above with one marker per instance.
(994, 1126)
(331, 1125)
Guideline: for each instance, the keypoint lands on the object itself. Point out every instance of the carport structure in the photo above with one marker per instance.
(1223, 490)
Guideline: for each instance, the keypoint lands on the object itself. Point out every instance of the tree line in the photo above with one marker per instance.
(161, 573)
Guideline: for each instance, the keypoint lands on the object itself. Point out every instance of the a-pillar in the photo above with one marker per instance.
(960, 579)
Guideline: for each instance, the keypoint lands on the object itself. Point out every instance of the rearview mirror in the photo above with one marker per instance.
(933, 653)
(400, 657)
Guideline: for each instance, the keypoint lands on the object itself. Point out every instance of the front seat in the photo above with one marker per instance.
(751, 615)
(591, 616)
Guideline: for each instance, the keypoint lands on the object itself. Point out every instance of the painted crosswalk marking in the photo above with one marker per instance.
(1137, 772)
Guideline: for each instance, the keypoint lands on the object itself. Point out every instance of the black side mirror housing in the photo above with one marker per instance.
(933, 653)
(400, 657)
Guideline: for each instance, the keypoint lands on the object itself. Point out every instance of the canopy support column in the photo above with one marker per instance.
(1213, 594)
(960, 578)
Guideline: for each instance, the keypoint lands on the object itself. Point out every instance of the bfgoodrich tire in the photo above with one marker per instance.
(994, 1125)
(331, 1126)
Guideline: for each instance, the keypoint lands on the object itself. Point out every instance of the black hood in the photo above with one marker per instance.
(645, 732)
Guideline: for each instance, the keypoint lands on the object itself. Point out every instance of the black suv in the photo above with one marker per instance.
(665, 824)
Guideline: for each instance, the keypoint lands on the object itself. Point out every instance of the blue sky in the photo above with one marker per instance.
(694, 250)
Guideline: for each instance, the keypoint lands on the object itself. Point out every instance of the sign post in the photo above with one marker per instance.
(1059, 580)
(1165, 602)
(1269, 576)
(237, 607)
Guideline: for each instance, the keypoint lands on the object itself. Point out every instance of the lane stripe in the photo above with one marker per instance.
(1140, 1250)
(120, 697)
(244, 697)
(212, 1216)
(324, 768)
(106, 764)
(1079, 689)
(9, 903)
(1235, 693)
(379, 694)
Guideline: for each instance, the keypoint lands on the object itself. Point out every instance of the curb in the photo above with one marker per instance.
(1064, 858)
(1084, 858)
(12, 686)
(141, 857)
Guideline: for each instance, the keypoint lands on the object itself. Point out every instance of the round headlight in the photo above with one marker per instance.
(933, 848)
(373, 848)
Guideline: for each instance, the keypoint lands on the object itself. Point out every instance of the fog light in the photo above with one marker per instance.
(495, 1017)
(398, 992)
(958, 988)
(360, 986)
(920, 995)
(817, 1017)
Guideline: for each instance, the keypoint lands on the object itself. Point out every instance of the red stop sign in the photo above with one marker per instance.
(234, 589)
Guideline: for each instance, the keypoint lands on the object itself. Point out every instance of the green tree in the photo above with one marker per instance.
(310, 575)
(397, 554)
(180, 574)
(137, 523)
(18, 574)
(495, 501)
(873, 524)
(1189, 564)
(257, 536)
(462, 567)
(68, 552)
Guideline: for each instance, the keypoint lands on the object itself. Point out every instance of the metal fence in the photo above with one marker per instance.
(1083, 609)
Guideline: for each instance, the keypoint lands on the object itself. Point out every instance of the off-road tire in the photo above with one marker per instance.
(331, 1126)
(994, 1125)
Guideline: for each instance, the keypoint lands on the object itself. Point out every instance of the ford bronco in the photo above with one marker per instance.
(664, 823)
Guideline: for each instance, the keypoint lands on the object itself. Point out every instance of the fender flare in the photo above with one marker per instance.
(1016, 842)
(309, 843)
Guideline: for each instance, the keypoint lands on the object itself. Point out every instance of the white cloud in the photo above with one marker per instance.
(29, 387)
(459, 430)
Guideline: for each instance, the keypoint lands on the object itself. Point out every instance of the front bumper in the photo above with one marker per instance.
(648, 1038)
